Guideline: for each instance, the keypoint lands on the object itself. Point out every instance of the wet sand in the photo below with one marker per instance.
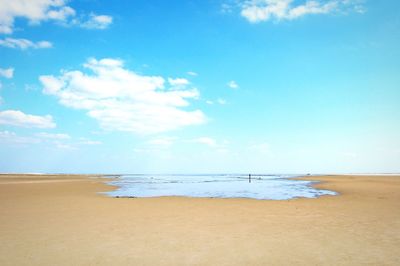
(62, 220)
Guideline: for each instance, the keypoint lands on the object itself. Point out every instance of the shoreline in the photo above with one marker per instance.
(323, 182)
(319, 182)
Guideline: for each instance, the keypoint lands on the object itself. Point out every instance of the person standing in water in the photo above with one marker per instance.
(249, 178)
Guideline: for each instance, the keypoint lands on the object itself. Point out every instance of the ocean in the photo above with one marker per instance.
(265, 187)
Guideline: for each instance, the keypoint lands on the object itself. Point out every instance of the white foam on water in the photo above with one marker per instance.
(272, 187)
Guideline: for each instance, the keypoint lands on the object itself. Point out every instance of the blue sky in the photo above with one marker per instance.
(272, 86)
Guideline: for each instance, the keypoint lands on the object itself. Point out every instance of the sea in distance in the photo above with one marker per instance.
(266, 187)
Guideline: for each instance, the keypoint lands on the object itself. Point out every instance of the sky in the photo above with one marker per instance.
(190, 86)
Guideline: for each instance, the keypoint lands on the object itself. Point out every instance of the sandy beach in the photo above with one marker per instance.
(63, 220)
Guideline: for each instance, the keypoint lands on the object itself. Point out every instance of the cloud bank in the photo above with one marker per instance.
(24, 44)
(120, 99)
(20, 119)
(7, 73)
(37, 11)
(263, 10)
(99, 22)
(232, 84)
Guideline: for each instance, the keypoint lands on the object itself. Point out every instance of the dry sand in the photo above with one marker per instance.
(61, 220)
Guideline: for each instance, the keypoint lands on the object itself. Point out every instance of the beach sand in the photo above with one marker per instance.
(62, 220)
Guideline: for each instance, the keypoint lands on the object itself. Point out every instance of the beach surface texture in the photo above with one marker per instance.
(63, 220)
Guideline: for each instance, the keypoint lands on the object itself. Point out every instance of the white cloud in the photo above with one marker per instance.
(61, 14)
(263, 148)
(97, 22)
(24, 44)
(7, 72)
(65, 146)
(36, 11)
(221, 101)
(191, 73)
(123, 100)
(49, 140)
(1, 99)
(58, 140)
(232, 84)
(226, 8)
(178, 82)
(205, 140)
(53, 136)
(360, 9)
(162, 141)
(263, 10)
(12, 138)
(217, 146)
(20, 119)
(90, 142)
(65, 141)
